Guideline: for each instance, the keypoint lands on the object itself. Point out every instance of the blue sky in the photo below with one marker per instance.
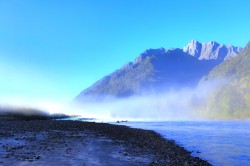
(54, 49)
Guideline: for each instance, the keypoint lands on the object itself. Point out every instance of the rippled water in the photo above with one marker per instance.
(220, 143)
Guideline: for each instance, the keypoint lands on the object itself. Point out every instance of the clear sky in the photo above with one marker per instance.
(53, 49)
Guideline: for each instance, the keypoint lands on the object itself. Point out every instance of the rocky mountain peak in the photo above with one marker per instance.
(211, 50)
(193, 48)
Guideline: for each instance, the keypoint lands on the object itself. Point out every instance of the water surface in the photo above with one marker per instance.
(220, 143)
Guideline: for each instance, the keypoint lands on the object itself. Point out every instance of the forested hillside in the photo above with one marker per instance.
(231, 98)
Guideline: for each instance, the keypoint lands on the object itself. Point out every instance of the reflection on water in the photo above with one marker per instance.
(221, 143)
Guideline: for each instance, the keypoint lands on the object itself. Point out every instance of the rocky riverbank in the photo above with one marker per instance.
(52, 142)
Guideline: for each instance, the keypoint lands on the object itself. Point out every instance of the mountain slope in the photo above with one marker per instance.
(154, 70)
(231, 98)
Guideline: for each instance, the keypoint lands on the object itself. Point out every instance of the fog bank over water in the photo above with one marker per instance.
(182, 104)
(33, 109)
(190, 104)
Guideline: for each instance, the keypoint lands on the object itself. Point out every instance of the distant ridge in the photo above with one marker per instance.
(157, 69)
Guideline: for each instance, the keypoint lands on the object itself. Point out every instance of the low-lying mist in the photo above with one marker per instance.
(181, 104)
(215, 100)
(27, 113)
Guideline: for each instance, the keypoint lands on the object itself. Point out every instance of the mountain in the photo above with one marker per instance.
(157, 69)
(234, 68)
(211, 50)
(231, 97)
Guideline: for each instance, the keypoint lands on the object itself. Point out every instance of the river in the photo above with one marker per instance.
(219, 142)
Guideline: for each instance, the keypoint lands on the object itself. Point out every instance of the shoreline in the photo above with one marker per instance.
(37, 142)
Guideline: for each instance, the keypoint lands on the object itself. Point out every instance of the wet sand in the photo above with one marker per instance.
(52, 142)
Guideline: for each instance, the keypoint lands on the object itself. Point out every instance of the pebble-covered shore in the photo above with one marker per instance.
(137, 146)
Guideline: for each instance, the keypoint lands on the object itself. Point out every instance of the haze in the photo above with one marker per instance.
(51, 51)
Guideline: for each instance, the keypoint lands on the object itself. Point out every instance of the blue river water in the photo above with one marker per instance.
(219, 142)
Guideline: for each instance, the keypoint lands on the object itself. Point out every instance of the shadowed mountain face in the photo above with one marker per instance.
(158, 69)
